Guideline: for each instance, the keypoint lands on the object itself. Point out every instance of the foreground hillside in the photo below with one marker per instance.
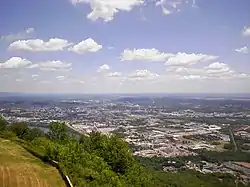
(19, 168)
(90, 161)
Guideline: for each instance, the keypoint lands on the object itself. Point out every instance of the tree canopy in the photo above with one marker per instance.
(100, 160)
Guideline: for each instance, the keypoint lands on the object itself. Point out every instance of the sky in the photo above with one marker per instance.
(125, 46)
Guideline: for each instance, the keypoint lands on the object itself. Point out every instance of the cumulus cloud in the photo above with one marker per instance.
(215, 70)
(218, 69)
(103, 69)
(144, 55)
(170, 59)
(27, 33)
(217, 65)
(53, 44)
(15, 62)
(55, 65)
(184, 59)
(242, 49)
(88, 45)
(246, 31)
(106, 9)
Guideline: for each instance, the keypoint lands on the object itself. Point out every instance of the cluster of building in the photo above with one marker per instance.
(243, 131)
(153, 131)
(150, 130)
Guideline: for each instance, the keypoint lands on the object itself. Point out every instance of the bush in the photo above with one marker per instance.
(8, 135)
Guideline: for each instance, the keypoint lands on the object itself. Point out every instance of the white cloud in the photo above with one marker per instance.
(19, 80)
(53, 44)
(88, 45)
(184, 59)
(27, 33)
(173, 3)
(243, 75)
(33, 66)
(15, 62)
(29, 30)
(106, 9)
(143, 74)
(185, 71)
(55, 65)
(160, 2)
(246, 31)
(34, 76)
(115, 74)
(242, 50)
(61, 78)
(179, 59)
(192, 77)
(103, 69)
(218, 69)
(172, 6)
(217, 65)
(144, 54)
(176, 3)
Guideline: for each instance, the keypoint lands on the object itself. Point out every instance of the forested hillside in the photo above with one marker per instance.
(100, 160)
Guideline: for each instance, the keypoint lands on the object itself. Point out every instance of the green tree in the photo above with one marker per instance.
(85, 142)
(20, 129)
(58, 132)
(34, 133)
(3, 123)
(113, 150)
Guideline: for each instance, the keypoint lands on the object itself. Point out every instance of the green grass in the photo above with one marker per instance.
(19, 168)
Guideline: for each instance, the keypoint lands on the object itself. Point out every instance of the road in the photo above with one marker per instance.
(233, 140)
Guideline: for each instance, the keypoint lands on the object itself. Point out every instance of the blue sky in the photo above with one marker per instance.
(99, 46)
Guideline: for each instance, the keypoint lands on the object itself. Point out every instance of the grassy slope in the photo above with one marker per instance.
(19, 168)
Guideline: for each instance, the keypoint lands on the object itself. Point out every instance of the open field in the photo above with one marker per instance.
(18, 168)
